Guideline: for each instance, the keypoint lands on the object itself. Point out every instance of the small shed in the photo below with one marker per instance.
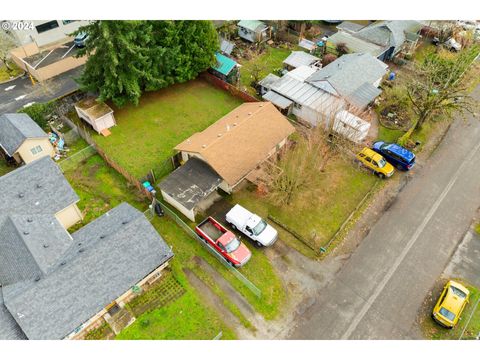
(98, 114)
(300, 58)
(253, 30)
(190, 187)
(225, 68)
(226, 47)
(307, 45)
(351, 126)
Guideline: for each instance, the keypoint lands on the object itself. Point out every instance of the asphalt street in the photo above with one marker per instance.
(20, 92)
(378, 292)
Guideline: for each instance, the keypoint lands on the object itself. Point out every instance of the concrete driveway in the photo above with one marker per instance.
(380, 289)
(17, 93)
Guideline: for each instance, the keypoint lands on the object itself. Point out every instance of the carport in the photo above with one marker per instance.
(191, 187)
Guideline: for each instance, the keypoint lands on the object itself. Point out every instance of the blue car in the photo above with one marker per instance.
(396, 155)
(80, 39)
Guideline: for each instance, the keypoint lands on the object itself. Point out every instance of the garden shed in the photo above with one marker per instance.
(98, 114)
(253, 30)
(225, 68)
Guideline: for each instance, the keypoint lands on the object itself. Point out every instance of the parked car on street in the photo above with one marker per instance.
(395, 154)
(251, 225)
(80, 39)
(223, 241)
(375, 162)
(450, 305)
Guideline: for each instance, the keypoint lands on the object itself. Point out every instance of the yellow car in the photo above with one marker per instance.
(450, 304)
(376, 162)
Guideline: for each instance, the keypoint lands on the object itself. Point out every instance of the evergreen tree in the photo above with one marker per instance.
(129, 57)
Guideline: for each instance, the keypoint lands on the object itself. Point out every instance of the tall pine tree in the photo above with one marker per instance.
(129, 57)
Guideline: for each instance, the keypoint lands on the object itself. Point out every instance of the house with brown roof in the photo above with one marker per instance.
(229, 150)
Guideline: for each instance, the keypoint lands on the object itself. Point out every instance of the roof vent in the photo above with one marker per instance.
(79, 244)
(102, 236)
(37, 279)
(21, 195)
(204, 146)
(39, 186)
(45, 246)
(250, 113)
(219, 135)
(81, 250)
(26, 233)
(261, 105)
(63, 263)
(235, 124)
(29, 220)
(125, 222)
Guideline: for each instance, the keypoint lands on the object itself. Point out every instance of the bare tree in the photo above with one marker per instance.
(7, 43)
(342, 49)
(436, 88)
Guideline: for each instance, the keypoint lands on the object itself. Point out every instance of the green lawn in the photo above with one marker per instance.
(146, 134)
(4, 168)
(436, 332)
(389, 135)
(5, 75)
(318, 212)
(268, 61)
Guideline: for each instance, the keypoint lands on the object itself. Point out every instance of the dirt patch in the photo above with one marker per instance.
(214, 302)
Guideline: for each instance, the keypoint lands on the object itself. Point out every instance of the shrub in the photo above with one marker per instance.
(39, 113)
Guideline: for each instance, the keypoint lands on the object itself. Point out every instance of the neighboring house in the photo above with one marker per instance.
(324, 96)
(239, 142)
(300, 58)
(293, 95)
(22, 139)
(225, 68)
(45, 32)
(354, 77)
(253, 30)
(57, 285)
(98, 114)
(382, 39)
(191, 187)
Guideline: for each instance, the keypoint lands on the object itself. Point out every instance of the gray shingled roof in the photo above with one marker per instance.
(389, 33)
(226, 47)
(191, 183)
(349, 73)
(15, 129)
(355, 44)
(9, 329)
(350, 26)
(107, 258)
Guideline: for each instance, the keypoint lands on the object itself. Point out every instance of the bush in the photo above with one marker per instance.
(39, 113)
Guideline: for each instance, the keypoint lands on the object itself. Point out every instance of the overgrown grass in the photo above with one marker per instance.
(5, 75)
(436, 332)
(146, 134)
(268, 61)
(318, 211)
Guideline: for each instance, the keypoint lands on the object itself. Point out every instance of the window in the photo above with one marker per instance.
(297, 106)
(66, 22)
(35, 150)
(47, 26)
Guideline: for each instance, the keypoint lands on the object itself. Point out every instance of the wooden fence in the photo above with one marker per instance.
(228, 87)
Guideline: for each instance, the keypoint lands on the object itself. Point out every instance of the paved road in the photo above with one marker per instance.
(15, 94)
(378, 292)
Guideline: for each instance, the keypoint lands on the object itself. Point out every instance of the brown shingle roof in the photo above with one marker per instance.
(93, 108)
(241, 140)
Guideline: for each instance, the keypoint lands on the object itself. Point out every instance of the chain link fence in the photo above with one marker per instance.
(73, 160)
(171, 214)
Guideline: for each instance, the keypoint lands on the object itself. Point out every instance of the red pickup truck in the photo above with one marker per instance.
(223, 241)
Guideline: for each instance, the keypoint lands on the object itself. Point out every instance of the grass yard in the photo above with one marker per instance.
(4, 167)
(5, 75)
(146, 134)
(268, 61)
(435, 332)
(318, 212)
(389, 135)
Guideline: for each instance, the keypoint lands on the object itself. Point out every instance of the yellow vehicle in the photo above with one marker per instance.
(450, 304)
(376, 162)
